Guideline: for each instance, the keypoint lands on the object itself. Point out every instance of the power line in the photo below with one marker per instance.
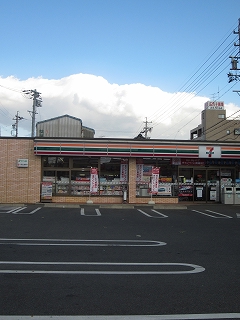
(197, 82)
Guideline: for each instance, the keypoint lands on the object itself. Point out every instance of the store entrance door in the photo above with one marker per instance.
(201, 184)
(207, 185)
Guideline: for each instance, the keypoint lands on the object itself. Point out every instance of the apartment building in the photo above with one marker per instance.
(215, 126)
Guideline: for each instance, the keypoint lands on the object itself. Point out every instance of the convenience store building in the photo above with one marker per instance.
(59, 170)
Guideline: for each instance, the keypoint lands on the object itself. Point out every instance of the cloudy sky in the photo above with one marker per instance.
(117, 63)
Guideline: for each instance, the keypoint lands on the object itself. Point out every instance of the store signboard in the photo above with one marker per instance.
(214, 105)
(94, 180)
(155, 180)
(22, 163)
(46, 193)
(209, 152)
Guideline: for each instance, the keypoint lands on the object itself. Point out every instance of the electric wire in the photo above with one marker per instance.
(183, 97)
(219, 123)
(198, 80)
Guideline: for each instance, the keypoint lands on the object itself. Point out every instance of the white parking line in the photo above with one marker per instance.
(72, 242)
(31, 212)
(209, 215)
(161, 214)
(224, 215)
(131, 317)
(193, 268)
(9, 210)
(98, 213)
(150, 216)
(18, 210)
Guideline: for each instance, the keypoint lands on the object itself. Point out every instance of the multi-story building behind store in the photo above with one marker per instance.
(214, 124)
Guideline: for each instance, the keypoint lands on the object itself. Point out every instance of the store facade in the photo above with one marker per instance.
(116, 170)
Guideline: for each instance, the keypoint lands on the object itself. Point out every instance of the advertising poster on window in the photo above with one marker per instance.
(124, 172)
(139, 172)
(46, 193)
(93, 180)
(155, 180)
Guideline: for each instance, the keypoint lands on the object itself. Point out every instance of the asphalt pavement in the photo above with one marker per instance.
(128, 261)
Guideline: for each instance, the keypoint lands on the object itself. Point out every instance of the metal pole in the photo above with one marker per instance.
(34, 113)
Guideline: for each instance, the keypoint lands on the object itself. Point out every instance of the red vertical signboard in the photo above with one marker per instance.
(155, 180)
(93, 180)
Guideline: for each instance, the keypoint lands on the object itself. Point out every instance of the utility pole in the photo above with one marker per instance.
(234, 59)
(15, 125)
(146, 129)
(37, 102)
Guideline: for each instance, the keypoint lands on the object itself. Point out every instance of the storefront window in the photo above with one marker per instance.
(167, 177)
(110, 169)
(84, 162)
(185, 187)
(62, 182)
(75, 179)
(62, 162)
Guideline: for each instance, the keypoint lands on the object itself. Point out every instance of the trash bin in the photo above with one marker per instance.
(227, 195)
(237, 195)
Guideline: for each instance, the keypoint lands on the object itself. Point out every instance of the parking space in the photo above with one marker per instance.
(144, 260)
(210, 211)
(30, 209)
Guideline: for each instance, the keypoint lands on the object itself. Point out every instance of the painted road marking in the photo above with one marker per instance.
(131, 317)
(151, 216)
(9, 209)
(188, 268)
(238, 215)
(98, 213)
(72, 242)
(31, 212)
(18, 210)
(224, 215)
(212, 216)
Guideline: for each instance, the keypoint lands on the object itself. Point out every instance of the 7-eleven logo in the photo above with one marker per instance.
(210, 151)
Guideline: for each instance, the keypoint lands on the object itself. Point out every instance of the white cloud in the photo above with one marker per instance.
(112, 110)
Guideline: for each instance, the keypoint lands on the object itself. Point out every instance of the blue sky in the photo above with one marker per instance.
(156, 43)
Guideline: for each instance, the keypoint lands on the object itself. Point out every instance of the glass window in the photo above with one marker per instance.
(185, 175)
(77, 175)
(221, 116)
(85, 162)
(110, 169)
(56, 162)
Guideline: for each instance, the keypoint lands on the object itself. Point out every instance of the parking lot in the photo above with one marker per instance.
(93, 261)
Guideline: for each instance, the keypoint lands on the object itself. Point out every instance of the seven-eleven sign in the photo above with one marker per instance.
(209, 152)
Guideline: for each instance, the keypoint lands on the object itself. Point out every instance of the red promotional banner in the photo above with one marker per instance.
(94, 180)
(155, 179)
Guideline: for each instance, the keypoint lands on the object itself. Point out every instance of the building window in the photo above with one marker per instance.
(237, 131)
(228, 131)
(221, 116)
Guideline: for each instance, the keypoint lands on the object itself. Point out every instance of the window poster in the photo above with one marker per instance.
(46, 193)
